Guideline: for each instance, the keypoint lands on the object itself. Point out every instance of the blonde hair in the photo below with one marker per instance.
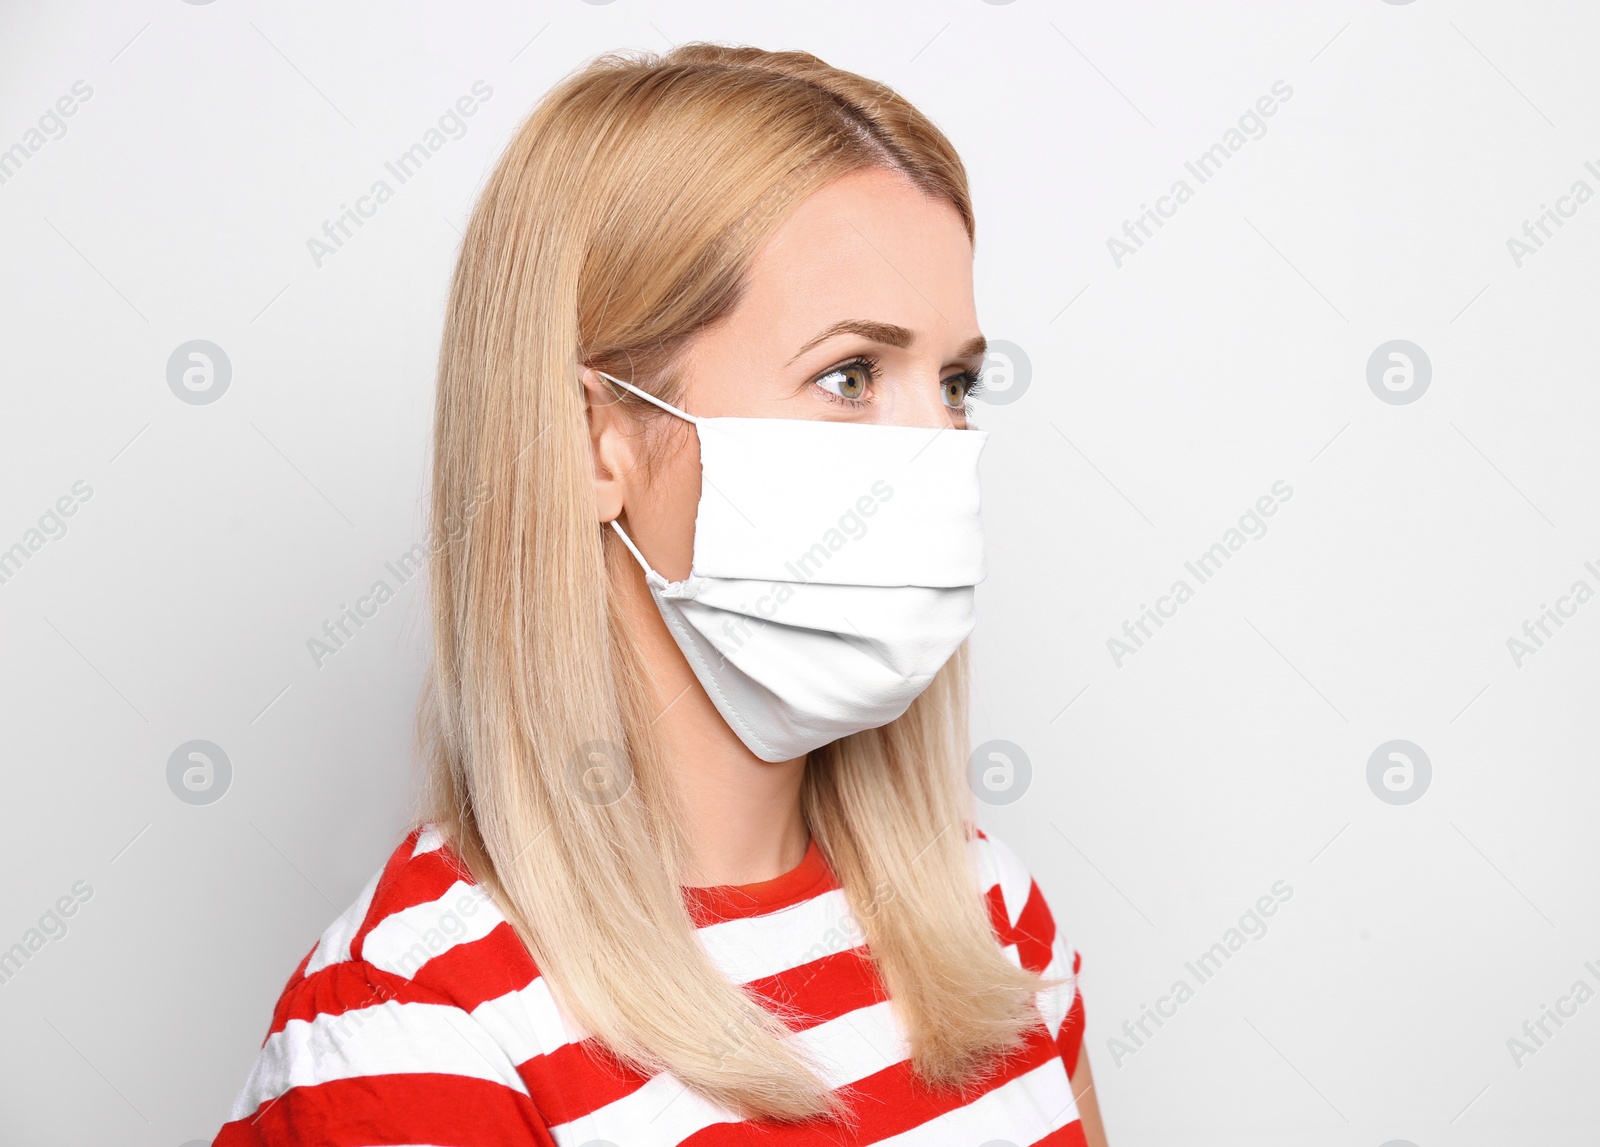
(621, 220)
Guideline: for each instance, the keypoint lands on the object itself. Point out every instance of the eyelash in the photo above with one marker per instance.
(973, 379)
(874, 373)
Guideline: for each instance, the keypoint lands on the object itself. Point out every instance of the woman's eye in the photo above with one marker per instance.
(849, 381)
(959, 387)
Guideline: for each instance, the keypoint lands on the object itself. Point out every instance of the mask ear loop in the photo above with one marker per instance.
(650, 575)
(667, 406)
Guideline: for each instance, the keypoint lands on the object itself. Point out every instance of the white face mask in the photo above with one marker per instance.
(832, 574)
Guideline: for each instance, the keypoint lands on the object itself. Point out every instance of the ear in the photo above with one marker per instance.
(612, 433)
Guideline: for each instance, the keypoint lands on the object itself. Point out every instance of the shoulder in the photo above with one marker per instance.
(1002, 875)
(422, 918)
(1019, 911)
(1032, 935)
(420, 907)
(386, 996)
(1017, 900)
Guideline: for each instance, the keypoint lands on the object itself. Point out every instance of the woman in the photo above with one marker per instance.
(699, 863)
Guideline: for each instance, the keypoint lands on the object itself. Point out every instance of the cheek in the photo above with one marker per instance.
(663, 513)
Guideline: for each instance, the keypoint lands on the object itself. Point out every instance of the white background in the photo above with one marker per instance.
(1163, 397)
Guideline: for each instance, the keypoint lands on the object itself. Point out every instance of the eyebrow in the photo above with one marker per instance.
(889, 334)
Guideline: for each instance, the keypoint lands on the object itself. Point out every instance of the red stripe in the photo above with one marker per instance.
(347, 987)
(999, 916)
(1035, 931)
(1070, 1038)
(577, 1079)
(447, 1110)
(823, 989)
(482, 969)
(1069, 1136)
(406, 882)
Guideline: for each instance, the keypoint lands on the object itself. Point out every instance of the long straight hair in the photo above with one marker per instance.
(622, 219)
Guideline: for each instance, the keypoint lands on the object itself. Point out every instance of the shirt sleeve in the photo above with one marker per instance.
(1022, 917)
(358, 1056)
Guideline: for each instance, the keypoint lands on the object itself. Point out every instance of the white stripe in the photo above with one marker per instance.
(1022, 1111)
(1054, 1004)
(428, 840)
(334, 947)
(390, 1038)
(403, 941)
(997, 864)
(751, 947)
(855, 1045)
(528, 1022)
(662, 1112)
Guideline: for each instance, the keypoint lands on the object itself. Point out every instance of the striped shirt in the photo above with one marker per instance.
(419, 1018)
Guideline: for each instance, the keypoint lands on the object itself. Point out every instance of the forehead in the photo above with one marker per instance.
(867, 245)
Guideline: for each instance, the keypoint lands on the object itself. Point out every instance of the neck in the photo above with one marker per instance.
(742, 815)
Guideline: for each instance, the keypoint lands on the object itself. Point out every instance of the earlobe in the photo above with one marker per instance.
(610, 455)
